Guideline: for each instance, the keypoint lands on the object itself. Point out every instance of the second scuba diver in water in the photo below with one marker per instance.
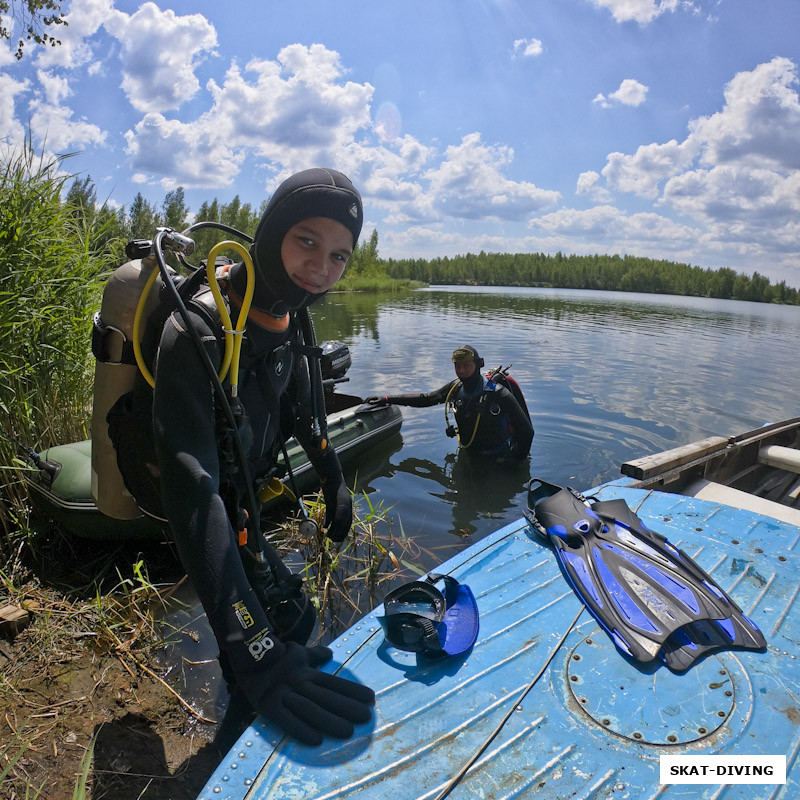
(301, 246)
(490, 420)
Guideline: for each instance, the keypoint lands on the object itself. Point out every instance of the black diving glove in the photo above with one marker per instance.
(338, 509)
(377, 400)
(306, 703)
(338, 501)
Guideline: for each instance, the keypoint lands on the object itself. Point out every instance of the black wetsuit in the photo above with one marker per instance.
(490, 420)
(274, 389)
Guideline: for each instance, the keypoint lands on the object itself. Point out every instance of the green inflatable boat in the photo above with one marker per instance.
(64, 493)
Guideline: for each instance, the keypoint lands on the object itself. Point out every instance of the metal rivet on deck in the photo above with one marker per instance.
(702, 730)
(637, 735)
(729, 693)
(573, 678)
(576, 657)
(672, 738)
(606, 721)
(759, 550)
(781, 558)
(720, 713)
(734, 541)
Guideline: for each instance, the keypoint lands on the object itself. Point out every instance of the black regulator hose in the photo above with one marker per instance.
(315, 374)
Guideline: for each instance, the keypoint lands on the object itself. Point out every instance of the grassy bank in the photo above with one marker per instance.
(376, 283)
(92, 704)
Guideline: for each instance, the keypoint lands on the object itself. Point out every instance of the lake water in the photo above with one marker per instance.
(608, 377)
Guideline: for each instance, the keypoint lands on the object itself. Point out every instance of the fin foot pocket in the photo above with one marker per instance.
(654, 602)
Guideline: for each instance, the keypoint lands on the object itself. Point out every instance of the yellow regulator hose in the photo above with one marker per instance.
(233, 336)
(137, 326)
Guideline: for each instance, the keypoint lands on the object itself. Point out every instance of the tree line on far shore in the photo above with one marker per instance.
(601, 272)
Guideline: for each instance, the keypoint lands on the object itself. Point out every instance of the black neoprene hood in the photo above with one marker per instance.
(317, 192)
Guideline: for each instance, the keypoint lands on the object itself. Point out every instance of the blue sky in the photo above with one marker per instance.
(662, 128)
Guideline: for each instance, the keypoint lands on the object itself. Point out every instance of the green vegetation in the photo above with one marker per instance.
(33, 16)
(607, 273)
(52, 261)
(90, 615)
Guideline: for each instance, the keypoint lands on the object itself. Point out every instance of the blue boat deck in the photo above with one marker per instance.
(592, 725)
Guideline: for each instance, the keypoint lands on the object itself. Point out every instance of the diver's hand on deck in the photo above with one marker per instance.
(377, 400)
(306, 703)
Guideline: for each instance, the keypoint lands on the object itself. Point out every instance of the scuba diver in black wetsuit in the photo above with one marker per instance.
(257, 610)
(490, 420)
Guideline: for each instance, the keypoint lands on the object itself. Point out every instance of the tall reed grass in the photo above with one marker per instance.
(50, 281)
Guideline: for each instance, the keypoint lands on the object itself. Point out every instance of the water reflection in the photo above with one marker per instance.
(608, 377)
(468, 488)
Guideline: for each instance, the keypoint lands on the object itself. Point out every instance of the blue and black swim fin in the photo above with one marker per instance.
(650, 597)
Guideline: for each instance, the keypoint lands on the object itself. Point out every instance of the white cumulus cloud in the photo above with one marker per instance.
(84, 19)
(527, 48)
(755, 133)
(470, 183)
(589, 184)
(11, 131)
(736, 175)
(629, 93)
(160, 52)
(181, 154)
(54, 127)
(641, 11)
(300, 110)
(760, 122)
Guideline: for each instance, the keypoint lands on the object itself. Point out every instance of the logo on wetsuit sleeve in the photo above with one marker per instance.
(243, 615)
(260, 644)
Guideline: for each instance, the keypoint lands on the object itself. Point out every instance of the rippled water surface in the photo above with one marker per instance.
(608, 377)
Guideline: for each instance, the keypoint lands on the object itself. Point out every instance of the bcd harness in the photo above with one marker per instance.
(496, 377)
(130, 419)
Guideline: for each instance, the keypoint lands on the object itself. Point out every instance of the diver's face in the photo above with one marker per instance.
(315, 251)
(464, 369)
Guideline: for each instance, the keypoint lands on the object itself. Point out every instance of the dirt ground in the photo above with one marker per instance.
(104, 660)
(62, 685)
(147, 745)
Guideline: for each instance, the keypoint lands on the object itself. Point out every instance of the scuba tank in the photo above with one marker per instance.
(115, 371)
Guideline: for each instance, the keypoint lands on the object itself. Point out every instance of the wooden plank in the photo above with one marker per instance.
(13, 619)
(648, 466)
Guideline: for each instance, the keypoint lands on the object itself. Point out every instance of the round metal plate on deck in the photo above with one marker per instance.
(658, 708)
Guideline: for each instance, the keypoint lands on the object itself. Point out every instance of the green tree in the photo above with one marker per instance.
(175, 209)
(105, 227)
(34, 17)
(142, 219)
